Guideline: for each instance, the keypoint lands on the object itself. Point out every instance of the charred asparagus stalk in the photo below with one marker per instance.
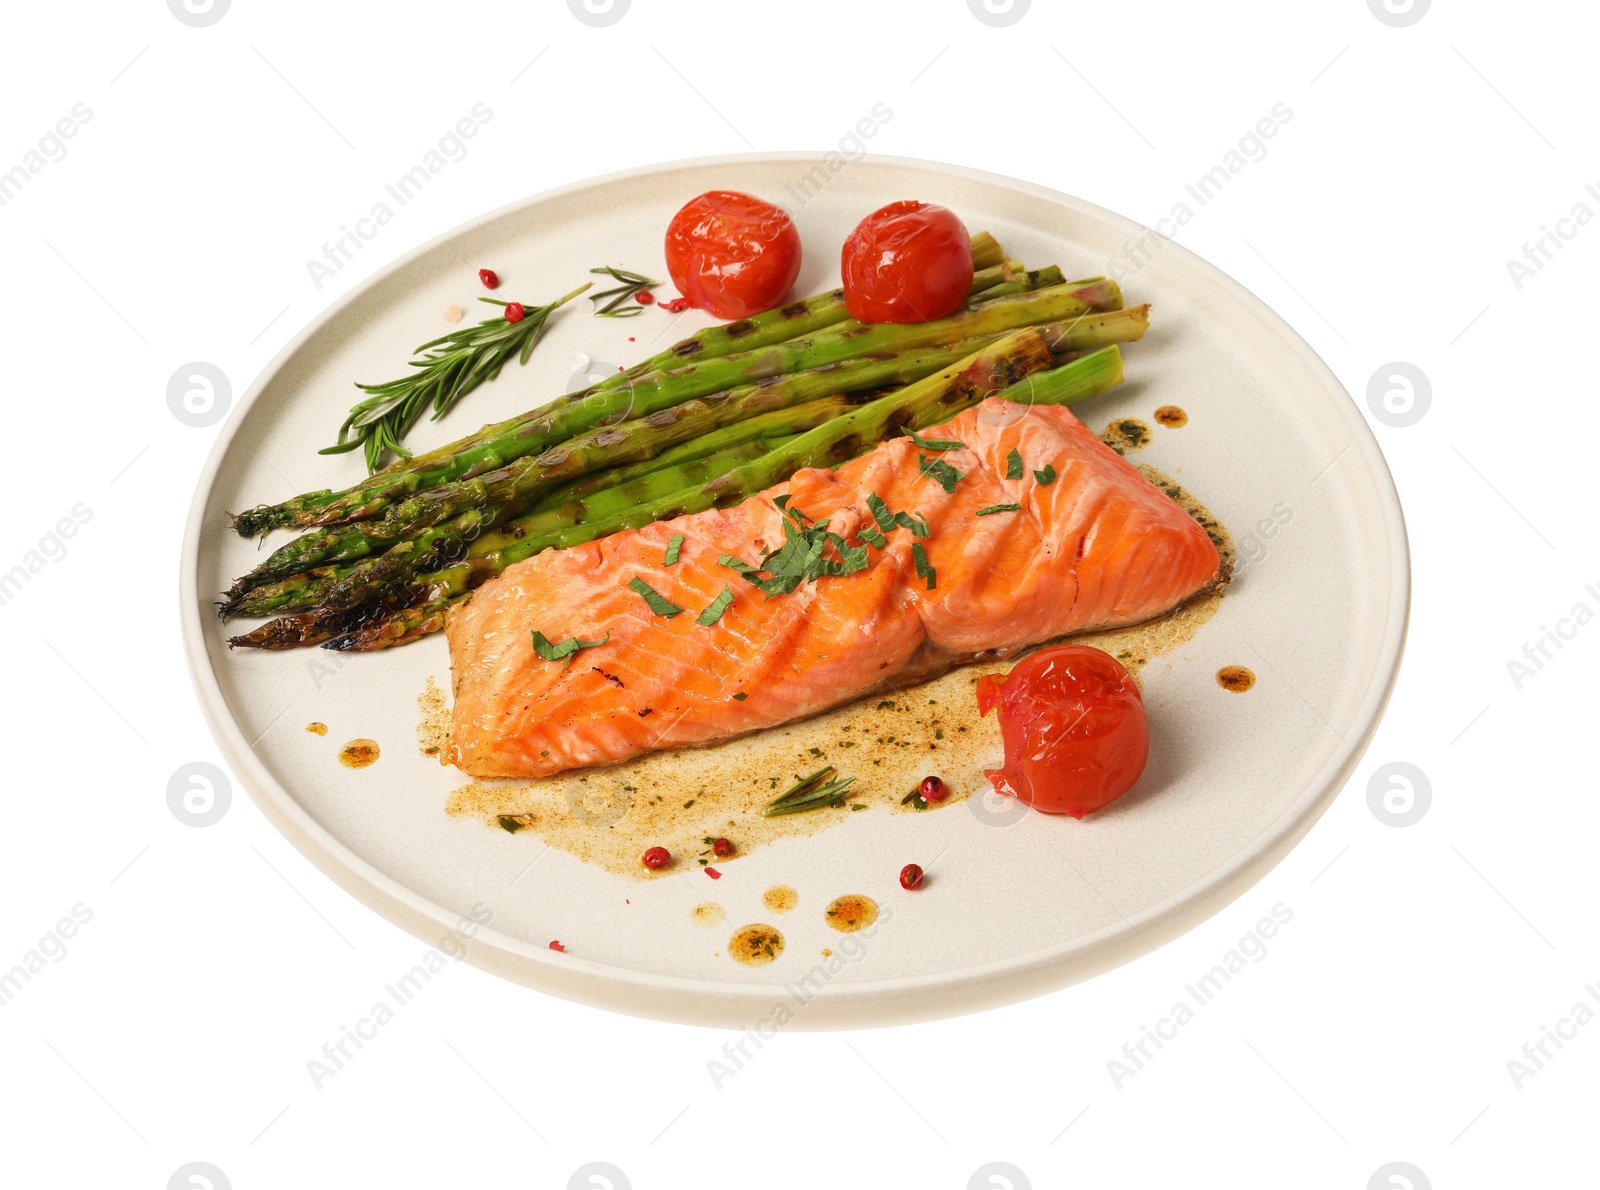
(422, 471)
(417, 608)
(854, 354)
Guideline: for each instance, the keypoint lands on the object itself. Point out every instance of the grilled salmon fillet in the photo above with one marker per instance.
(1096, 547)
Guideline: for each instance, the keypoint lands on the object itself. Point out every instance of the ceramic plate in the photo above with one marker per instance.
(1274, 446)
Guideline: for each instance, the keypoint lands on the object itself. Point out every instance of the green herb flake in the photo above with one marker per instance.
(674, 550)
(924, 571)
(564, 650)
(994, 508)
(714, 610)
(880, 512)
(888, 521)
(509, 824)
(1014, 464)
(872, 537)
(658, 603)
(940, 472)
(1045, 477)
(933, 443)
(740, 697)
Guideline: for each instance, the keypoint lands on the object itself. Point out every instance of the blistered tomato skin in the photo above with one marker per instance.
(1074, 727)
(907, 262)
(732, 254)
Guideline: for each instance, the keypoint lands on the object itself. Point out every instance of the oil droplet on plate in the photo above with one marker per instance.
(707, 914)
(1125, 434)
(358, 754)
(317, 728)
(755, 945)
(780, 898)
(851, 912)
(1172, 417)
(1235, 678)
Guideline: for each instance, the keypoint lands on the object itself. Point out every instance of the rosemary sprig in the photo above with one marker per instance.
(632, 283)
(448, 368)
(810, 793)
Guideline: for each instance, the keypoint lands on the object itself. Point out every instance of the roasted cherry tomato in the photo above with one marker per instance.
(732, 254)
(1074, 728)
(908, 262)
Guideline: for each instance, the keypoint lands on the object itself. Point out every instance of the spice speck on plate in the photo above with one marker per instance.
(358, 754)
(707, 914)
(755, 945)
(1235, 678)
(851, 912)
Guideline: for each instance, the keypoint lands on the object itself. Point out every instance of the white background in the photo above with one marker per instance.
(217, 962)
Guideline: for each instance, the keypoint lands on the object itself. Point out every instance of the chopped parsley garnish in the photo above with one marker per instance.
(872, 537)
(933, 443)
(1014, 464)
(888, 521)
(940, 472)
(924, 571)
(564, 650)
(714, 611)
(994, 508)
(659, 603)
(802, 556)
(509, 824)
(674, 549)
(740, 697)
(1047, 476)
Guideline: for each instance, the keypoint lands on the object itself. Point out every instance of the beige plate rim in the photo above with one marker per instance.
(883, 1002)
